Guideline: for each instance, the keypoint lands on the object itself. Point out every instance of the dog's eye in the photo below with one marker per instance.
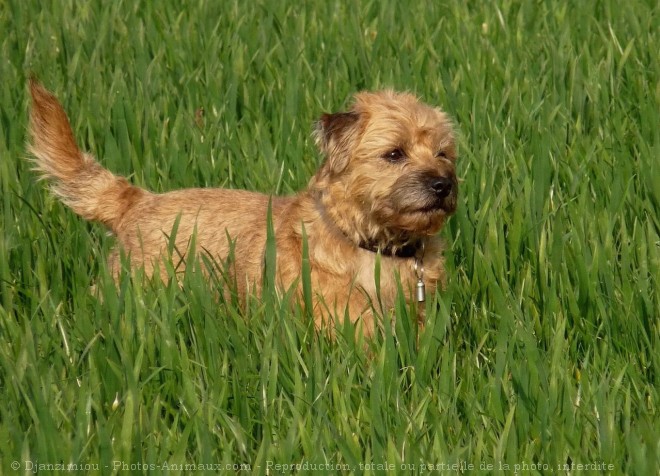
(441, 154)
(394, 155)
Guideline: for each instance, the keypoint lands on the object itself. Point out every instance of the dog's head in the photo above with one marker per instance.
(389, 173)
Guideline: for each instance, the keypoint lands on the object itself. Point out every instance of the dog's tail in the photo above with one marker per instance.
(77, 178)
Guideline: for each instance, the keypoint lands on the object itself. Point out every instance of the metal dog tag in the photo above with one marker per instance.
(421, 291)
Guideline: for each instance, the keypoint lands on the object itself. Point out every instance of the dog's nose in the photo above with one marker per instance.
(442, 187)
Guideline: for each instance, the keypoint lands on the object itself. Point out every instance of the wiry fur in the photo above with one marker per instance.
(357, 202)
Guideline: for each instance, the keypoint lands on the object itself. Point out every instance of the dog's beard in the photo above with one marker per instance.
(413, 194)
(404, 211)
(412, 208)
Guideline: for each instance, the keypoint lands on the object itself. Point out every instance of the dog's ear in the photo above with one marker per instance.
(334, 135)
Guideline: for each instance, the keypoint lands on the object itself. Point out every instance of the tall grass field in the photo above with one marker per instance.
(541, 356)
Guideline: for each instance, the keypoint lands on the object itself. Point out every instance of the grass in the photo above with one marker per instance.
(543, 349)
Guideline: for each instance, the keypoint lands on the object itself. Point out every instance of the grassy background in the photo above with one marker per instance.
(544, 349)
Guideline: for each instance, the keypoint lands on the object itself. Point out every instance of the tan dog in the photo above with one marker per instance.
(387, 185)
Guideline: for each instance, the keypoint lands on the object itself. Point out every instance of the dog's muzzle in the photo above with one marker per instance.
(425, 193)
(444, 192)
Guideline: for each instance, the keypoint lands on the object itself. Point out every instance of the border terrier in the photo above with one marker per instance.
(385, 188)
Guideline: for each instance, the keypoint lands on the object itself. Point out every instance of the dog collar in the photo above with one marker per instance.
(409, 250)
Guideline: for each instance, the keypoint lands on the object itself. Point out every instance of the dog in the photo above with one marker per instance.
(386, 186)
